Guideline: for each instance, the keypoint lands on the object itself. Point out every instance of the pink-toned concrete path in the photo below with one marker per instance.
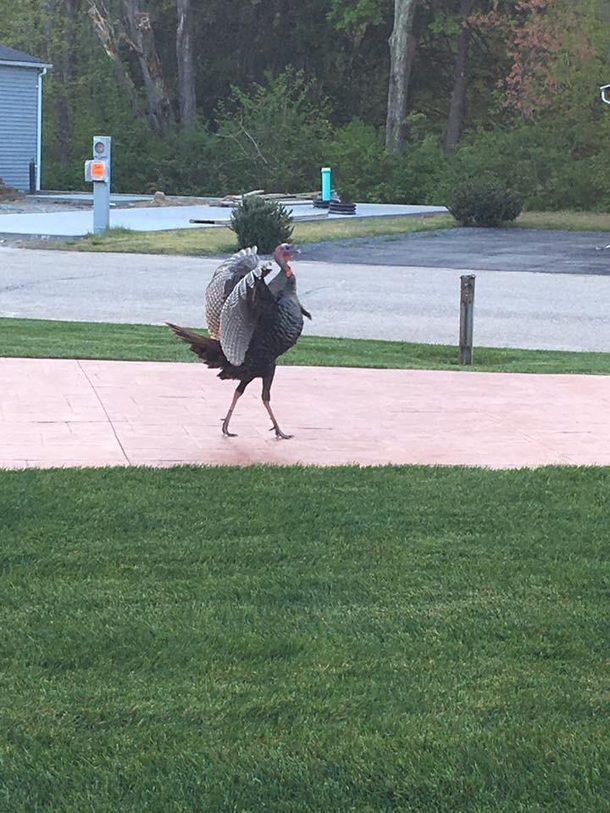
(99, 413)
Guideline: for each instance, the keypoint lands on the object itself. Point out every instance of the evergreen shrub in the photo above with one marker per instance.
(484, 202)
(262, 223)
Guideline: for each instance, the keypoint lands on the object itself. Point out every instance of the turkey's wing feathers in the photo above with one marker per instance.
(248, 303)
(223, 281)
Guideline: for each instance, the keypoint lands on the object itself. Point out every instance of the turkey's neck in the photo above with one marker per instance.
(283, 264)
(290, 287)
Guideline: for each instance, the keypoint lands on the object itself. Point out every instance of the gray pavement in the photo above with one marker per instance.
(535, 250)
(409, 303)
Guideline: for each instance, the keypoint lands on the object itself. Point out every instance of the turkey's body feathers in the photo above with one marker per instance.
(250, 322)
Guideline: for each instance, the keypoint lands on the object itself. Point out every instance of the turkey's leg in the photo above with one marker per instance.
(267, 381)
(236, 396)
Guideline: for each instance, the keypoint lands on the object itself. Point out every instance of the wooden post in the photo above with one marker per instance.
(466, 318)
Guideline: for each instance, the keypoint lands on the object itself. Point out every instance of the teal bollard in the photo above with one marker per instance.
(326, 183)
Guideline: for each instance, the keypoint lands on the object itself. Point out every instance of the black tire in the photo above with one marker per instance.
(338, 208)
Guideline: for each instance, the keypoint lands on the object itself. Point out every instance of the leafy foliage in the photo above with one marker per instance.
(272, 136)
(283, 89)
(484, 202)
(262, 223)
(367, 173)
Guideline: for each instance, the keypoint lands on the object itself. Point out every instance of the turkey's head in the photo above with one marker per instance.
(283, 254)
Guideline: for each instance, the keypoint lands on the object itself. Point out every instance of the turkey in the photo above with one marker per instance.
(250, 322)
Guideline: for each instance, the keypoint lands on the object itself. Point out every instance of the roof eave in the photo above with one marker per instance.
(11, 63)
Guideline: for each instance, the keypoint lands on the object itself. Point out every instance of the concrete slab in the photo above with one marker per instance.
(99, 413)
(163, 218)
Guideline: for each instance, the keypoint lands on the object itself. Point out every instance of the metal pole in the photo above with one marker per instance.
(466, 317)
(101, 207)
(102, 152)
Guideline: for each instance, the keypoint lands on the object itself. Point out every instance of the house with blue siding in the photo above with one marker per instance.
(20, 117)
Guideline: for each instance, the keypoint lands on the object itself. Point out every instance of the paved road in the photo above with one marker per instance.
(554, 311)
(534, 250)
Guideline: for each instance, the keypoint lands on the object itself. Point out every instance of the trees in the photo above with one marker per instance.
(140, 38)
(390, 82)
(457, 108)
(186, 63)
(132, 32)
(402, 44)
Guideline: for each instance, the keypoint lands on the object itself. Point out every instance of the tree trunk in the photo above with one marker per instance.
(142, 41)
(68, 72)
(402, 50)
(110, 42)
(457, 110)
(186, 63)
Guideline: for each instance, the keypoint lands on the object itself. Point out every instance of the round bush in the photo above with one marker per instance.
(484, 203)
(262, 223)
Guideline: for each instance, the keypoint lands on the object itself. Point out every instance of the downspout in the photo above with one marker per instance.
(41, 73)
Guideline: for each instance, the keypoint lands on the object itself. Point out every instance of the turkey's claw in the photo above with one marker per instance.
(279, 434)
(225, 429)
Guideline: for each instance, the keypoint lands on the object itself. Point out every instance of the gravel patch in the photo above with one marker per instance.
(29, 206)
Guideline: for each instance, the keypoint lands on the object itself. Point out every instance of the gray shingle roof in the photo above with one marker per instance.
(10, 55)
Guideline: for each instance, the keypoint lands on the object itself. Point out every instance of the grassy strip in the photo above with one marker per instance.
(53, 339)
(569, 221)
(200, 242)
(304, 640)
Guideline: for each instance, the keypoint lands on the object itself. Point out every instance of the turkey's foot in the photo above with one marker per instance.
(276, 427)
(225, 429)
(279, 434)
(225, 421)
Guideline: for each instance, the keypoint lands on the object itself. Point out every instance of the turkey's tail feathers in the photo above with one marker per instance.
(209, 350)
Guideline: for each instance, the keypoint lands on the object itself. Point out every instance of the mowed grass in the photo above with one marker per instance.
(565, 220)
(39, 338)
(395, 639)
(214, 241)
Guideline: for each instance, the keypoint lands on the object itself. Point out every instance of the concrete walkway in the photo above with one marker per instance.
(97, 413)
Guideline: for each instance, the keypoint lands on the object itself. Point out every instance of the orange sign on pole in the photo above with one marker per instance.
(98, 170)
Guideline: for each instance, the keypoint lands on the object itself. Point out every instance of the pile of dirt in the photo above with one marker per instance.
(8, 193)
(161, 199)
(229, 201)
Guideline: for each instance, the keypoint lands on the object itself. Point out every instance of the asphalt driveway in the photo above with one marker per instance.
(533, 250)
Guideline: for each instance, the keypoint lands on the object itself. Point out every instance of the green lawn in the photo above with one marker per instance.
(216, 241)
(572, 221)
(304, 640)
(55, 339)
